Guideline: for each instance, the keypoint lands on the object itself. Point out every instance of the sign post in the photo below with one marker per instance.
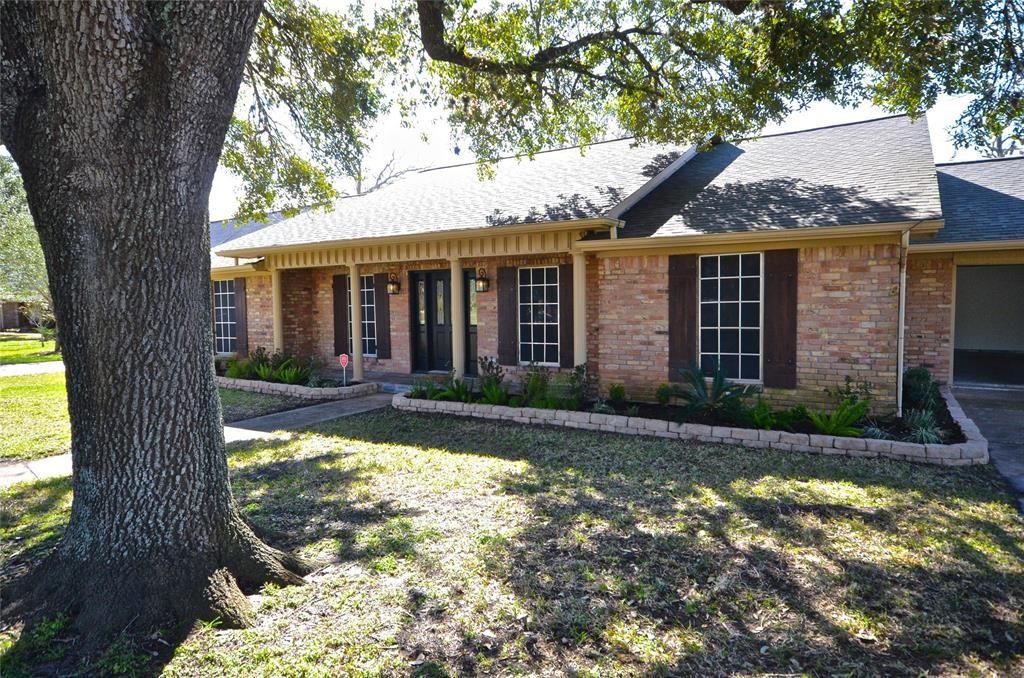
(343, 359)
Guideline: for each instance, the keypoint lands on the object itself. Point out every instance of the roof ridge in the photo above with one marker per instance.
(833, 126)
(524, 155)
(978, 160)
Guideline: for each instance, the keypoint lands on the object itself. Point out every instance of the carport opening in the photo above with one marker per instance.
(988, 345)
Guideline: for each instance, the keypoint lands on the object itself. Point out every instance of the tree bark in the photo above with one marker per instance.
(116, 113)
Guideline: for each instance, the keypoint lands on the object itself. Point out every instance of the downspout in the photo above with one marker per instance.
(902, 312)
(904, 246)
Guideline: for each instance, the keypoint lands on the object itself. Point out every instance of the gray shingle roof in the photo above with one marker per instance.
(226, 230)
(556, 185)
(982, 200)
(875, 171)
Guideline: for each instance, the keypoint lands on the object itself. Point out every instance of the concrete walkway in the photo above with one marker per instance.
(1000, 416)
(21, 369)
(267, 427)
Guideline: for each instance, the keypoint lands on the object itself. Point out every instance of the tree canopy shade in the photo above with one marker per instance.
(515, 77)
(117, 112)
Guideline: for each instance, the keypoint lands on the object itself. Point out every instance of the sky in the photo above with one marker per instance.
(429, 143)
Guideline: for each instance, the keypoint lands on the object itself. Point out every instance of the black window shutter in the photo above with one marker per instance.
(780, 290)
(508, 316)
(382, 314)
(565, 310)
(682, 313)
(340, 314)
(241, 320)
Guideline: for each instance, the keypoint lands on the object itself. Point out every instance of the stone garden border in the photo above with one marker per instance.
(974, 451)
(306, 392)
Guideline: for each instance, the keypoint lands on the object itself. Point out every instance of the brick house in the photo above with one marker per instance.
(789, 259)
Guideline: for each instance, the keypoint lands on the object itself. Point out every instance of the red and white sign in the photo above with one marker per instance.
(343, 359)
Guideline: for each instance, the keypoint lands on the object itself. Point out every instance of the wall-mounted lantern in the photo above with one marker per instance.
(482, 283)
(394, 287)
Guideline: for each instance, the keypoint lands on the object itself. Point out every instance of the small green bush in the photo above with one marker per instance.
(617, 394)
(720, 396)
(633, 411)
(663, 394)
(456, 390)
(239, 369)
(920, 390)
(922, 427)
(535, 386)
(264, 371)
(602, 407)
(840, 422)
(293, 373)
(493, 393)
(850, 390)
(761, 416)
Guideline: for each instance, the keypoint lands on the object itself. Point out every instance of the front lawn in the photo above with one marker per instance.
(25, 348)
(34, 417)
(454, 547)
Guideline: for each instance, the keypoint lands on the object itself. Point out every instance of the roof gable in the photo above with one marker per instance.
(559, 185)
(982, 200)
(878, 171)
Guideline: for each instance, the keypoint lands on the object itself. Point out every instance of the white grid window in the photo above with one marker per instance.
(730, 315)
(538, 315)
(367, 298)
(224, 316)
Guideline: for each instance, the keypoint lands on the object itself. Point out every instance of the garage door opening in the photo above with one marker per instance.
(988, 336)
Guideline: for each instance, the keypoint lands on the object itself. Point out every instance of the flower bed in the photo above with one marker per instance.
(973, 451)
(306, 392)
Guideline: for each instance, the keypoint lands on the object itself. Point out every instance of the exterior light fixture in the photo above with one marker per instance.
(482, 283)
(394, 287)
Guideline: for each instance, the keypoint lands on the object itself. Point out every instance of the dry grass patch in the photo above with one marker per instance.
(456, 547)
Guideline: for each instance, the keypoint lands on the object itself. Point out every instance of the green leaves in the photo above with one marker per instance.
(22, 266)
(520, 76)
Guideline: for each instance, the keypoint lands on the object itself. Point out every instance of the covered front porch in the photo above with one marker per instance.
(429, 306)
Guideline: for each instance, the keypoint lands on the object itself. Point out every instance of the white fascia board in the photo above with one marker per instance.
(639, 194)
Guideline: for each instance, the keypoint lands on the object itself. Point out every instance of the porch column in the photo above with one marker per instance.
(354, 289)
(275, 295)
(579, 308)
(458, 314)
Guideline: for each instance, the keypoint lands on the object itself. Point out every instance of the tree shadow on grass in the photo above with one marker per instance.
(291, 503)
(738, 561)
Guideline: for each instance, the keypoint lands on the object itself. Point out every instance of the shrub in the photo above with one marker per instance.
(873, 430)
(490, 370)
(258, 356)
(456, 390)
(239, 369)
(761, 416)
(789, 420)
(850, 390)
(602, 407)
(617, 394)
(293, 372)
(922, 427)
(493, 393)
(840, 422)
(424, 389)
(920, 390)
(633, 411)
(663, 394)
(535, 386)
(719, 397)
(264, 371)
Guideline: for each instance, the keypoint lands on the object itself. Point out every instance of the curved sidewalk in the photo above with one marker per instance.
(257, 428)
(21, 369)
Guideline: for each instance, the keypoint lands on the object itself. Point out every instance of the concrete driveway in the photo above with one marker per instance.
(1000, 416)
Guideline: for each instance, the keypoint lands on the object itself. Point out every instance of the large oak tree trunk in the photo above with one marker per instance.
(116, 113)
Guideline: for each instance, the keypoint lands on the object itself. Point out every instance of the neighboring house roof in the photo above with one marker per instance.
(877, 171)
(563, 184)
(227, 230)
(982, 200)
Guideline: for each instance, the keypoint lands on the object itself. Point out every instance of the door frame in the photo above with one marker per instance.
(428, 354)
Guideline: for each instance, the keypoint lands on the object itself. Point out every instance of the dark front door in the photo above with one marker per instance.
(431, 320)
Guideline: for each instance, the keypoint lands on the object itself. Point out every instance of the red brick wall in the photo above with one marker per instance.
(297, 311)
(847, 317)
(929, 320)
(630, 329)
(259, 305)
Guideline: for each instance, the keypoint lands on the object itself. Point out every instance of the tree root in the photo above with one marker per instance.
(106, 601)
